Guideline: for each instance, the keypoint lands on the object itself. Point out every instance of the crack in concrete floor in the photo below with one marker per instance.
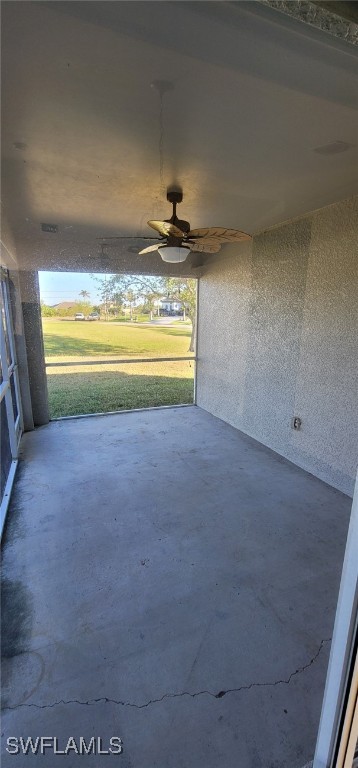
(219, 695)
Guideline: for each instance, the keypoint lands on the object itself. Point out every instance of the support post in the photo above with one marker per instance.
(20, 347)
(31, 310)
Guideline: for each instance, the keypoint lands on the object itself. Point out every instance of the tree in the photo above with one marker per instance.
(130, 298)
(117, 299)
(185, 291)
(78, 306)
(149, 303)
(105, 291)
(85, 295)
(150, 289)
(47, 311)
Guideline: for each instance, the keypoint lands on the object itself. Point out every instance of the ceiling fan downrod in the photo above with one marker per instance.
(174, 197)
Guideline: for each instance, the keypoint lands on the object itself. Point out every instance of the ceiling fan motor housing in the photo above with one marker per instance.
(184, 226)
(172, 241)
(174, 196)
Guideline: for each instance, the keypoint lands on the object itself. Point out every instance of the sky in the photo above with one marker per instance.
(66, 286)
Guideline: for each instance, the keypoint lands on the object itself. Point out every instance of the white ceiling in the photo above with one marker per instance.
(253, 94)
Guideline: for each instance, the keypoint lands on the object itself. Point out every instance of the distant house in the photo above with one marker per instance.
(65, 305)
(169, 306)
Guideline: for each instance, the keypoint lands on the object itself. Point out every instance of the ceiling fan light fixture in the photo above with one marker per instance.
(174, 254)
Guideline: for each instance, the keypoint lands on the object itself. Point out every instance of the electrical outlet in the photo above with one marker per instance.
(296, 422)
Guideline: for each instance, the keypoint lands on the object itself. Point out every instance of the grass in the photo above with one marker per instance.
(66, 339)
(115, 388)
(90, 388)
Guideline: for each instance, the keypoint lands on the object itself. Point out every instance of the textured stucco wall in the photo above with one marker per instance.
(31, 310)
(277, 337)
(9, 260)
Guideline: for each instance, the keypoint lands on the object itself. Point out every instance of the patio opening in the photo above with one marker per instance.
(119, 342)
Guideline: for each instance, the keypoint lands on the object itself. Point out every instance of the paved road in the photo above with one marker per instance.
(156, 321)
(165, 320)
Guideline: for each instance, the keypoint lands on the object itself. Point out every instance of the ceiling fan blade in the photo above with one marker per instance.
(149, 249)
(205, 246)
(220, 233)
(166, 228)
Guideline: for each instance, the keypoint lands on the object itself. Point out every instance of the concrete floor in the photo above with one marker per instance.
(172, 582)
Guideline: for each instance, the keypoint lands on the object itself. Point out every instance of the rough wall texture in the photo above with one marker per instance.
(9, 261)
(31, 310)
(277, 338)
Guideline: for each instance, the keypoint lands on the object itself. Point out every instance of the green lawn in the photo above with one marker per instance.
(68, 338)
(99, 388)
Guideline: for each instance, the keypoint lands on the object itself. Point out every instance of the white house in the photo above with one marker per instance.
(169, 305)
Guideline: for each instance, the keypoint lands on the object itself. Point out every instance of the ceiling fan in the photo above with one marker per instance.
(177, 239)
